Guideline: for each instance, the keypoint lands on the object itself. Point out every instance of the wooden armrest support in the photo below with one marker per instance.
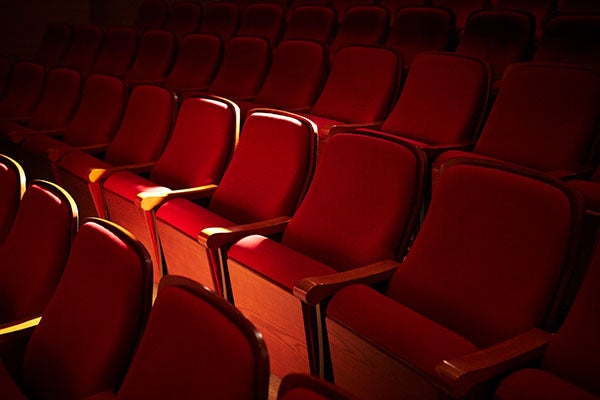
(217, 237)
(314, 290)
(150, 200)
(458, 376)
(18, 326)
(98, 174)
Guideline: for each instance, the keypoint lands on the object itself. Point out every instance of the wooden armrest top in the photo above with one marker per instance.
(151, 199)
(458, 376)
(313, 290)
(18, 326)
(337, 128)
(97, 174)
(217, 237)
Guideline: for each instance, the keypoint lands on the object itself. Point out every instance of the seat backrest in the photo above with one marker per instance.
(418, 29)
(54, 44)
(197, 62)
(24, 89)
(221, 18)
(457, 87)
(201, 144)
(342, 6)
(296, 75)
(476, 243)
(184, 17)
(59, 100)
(394, 6)
(87, 334)
(85, 46)
(12, 187)
(544, 117)
(118, 50)
(270, 168)
(501, 37)
(35, 252)
(145, 127)
(244, 67)
(379, 182)
(577, 7)
(362, 25)
(541, 10)
(264, 20)
(100, 111)
(189, 323)
(154, 57)
(152, 14)
(5, 70)
(572, 351)
(571, 39)
(311, 22)
(361, 84)
(461, 9)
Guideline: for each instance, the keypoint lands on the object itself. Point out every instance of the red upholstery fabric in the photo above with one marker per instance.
(151, 14)
(5, 68)
(310, 22)
(154, 58)
(54, 43)
(360, 86)
(419, 29)
(10, 390)
(86, 337)
(191, 348)
(456, 87)
(24, 89)
(535, 384)
(394, 6)
(541, 10)
(513, 238)
(118, 50)
(35, 252)
(408, 335)
(590, 192)
(197, 62)
(577, 6)
(12, 185)
(263, 19)
(243, 68)
(361, 25)
(188, 217)
(184, 17)
(461, 8)
(85, 46)
(221, 18)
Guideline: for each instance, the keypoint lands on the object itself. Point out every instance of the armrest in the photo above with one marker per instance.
(19, 326)
(55, 154)
(215, 238)
(353, 127)
(98, 174)
(458, 376)
(150, 200)
(19, 136)
(314, 290)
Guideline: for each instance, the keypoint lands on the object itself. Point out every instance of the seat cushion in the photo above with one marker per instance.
(536, 384)
(276, 262)
(188, 217)
(408, 335)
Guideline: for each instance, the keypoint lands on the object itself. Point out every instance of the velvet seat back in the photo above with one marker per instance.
(118, 51)
(263, 19)
(154, 58)
(380, 181)
(488, 260)
(12, 187)
(24, 89)
(85, 46)
(310, 22)
(221, 18)
(54, 43)
(184, 17)
(361, 25)
(151, 14)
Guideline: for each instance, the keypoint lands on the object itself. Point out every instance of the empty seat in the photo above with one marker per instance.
(195, 345)
(362, 25)
(95, 122)
(89, 331)
(152, 14)
(221, 18)
(263, 183)
(35, 252)
(294, 80)
(23, 91)
(263, 19)
(541, 10)
(85, 46)
(342, 6)
(501, 37)
(54, 43)
(154, 58)
(143, 132)
(12, 187)
(198, 60)
(304, 386)
(419, 29)
(196, 154)
(393, 6)
(545, 117)
(474, 243)
(457, 87)
(567, 369)
(184, 17)
(571, 39)
(118, 51)
(357, 216)
(311, 22)
(360, 88)
(461, 9)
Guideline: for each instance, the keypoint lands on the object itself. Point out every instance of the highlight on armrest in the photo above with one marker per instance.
(98, 174)
(151, 199)
(314, 290)
(458, 376)
(217, 237)
(19, 326)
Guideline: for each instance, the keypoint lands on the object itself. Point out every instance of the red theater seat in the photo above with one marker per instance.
(85, 46)
(221, 18)
(118, 51)
(12, 187)
(23, 91)
(311, 22)
(54, 43)
(154, 58)
(152, 14)
(264, 20)
(184, 17)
